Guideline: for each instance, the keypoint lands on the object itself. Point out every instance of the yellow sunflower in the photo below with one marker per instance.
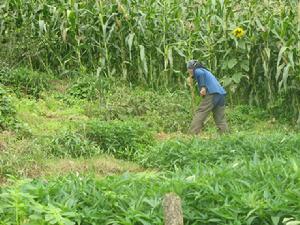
(238, 32)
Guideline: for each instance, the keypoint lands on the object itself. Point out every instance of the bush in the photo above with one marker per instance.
(182, 153)
(72, 144)
(26, 81)
(245, 116)
(84, 87)
(7, 112)
(162, 111)
(91, 87)
(248, 193)
(122, 139)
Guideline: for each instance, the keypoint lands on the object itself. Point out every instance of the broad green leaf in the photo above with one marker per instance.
(231, 63)
(224, 65)
(237, 77)
(275, 220)
(226, 81)
(242, 44)
(245, 65)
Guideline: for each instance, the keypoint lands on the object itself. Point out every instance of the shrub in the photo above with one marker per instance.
(84, 87)
(162, 111)
(7, 111)
(122, 139)
(182, 153)
(246, 116)
(26, 81)
(248, 193)
(91, 87)
(72, 144)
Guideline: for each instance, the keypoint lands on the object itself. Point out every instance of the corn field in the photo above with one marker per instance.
(252, 46)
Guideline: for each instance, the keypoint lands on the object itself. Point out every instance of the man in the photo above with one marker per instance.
(213, 98)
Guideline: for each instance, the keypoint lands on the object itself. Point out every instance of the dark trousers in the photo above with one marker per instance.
(208, 105)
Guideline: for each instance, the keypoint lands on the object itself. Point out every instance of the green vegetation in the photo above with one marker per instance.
(263, 192)
(247, 177)
(252, 46)
(7, 111)
(85, 88)
(26, 81)
(95, 111)
(73, 145)
(122, 139)
(186, 153)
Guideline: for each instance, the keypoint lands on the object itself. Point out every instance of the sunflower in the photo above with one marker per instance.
(238, 32)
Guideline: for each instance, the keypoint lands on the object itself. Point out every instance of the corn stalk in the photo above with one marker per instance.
(148, 42)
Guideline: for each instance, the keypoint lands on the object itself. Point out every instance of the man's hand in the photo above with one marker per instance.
(203, 91)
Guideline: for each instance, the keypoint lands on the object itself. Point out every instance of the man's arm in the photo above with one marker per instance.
(200, 77)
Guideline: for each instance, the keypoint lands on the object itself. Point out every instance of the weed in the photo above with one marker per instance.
(8, 115)
(72, 144)
(85, 87)
(26, 81)
(183, 153)
(122, 139)
(262, 192)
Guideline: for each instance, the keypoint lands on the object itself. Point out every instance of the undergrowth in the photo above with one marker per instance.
(26, 81)
(253, 193)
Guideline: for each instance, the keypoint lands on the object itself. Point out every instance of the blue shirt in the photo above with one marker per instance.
(207, 79)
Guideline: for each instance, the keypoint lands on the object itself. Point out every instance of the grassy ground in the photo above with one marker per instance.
(57, 112)
(135, 140)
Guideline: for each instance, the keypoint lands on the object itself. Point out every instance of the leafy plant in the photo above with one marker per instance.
(162, 111)
(246, 117)
(7, 111)
(147, 43)
(26, 81)
(73, 145)
(123, 139)
(84, 87)
(258, 192)
(184, 153)
(14, 206)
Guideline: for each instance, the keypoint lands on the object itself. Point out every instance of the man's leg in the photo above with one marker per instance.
(201, 114)
(220, 120)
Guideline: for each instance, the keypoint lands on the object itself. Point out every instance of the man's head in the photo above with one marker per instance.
(191, 65)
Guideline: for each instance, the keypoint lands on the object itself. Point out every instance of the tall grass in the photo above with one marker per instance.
(149, 41)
